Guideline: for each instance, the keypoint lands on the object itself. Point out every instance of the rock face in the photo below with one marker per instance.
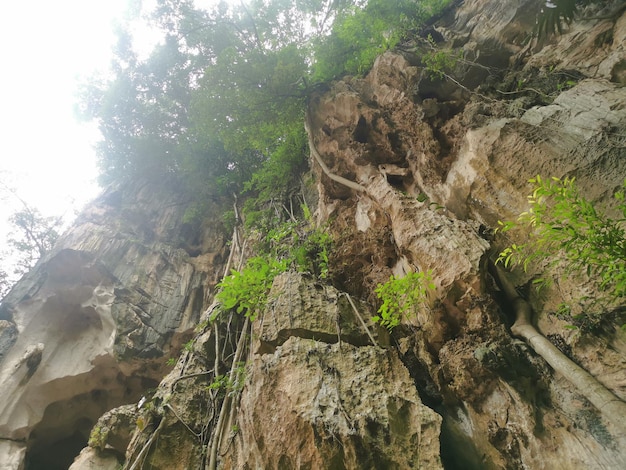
(310, 400)
(311, 403)
(342, 407)
(434, 164)
(438, 173)
(91, 326)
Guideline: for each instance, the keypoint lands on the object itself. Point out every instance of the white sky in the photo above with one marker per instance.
(46, 48)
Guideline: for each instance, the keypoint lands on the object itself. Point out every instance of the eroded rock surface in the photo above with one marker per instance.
(316, 405)
(308, 399)
(92, 325)
(438, 174)
(437, 164)
(343, 405)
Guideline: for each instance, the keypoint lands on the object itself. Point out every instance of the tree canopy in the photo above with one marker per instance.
(219, 102)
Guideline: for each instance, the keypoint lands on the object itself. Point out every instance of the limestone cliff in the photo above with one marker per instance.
(431, 166)
(91, 327)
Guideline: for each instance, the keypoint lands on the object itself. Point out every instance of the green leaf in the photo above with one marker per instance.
(566, 227)
(402, 296)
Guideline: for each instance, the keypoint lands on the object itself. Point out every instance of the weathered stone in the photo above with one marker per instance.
(298, 305)
(316, 405)
(90, 327)
(8, 336)
(90, 459)
(13, 453)
(114, 429)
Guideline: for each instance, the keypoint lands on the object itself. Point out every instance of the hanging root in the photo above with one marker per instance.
(218, 431)
(318, 158)
(358, 315)
(610, 406)
(144, 450)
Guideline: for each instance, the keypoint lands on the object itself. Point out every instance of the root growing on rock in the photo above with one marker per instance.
(610, 406)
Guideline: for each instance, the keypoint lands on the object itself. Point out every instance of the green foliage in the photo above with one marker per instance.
(222, 96)
(314, 253)
(34, 235)
(563, 222)
(362, 32)
(402, 297)
(304, 247)
(440, 62)
(224, 383)
(290, 245)
(250, 99)
(98, 437)
(217, 108)
(276, 177)
(246, 290)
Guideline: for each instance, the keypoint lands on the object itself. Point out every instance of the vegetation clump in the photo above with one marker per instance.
(401, 297)
(563, 222)
(290, 245)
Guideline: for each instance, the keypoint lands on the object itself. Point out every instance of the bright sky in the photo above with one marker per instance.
(46, 48)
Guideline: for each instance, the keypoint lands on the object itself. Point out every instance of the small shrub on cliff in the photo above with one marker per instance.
(305, 247)
(246, 290)
(230, 386)
(402, 296)
(564, 222)
(290, 245)
(440, 63)
(365, 30)
(98, 437)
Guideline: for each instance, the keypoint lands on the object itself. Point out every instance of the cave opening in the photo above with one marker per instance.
(457, 450)
(360, 133)
(64, 428)
(58, 454)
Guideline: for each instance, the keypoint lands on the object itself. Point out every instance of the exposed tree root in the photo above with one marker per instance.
(358, 315)
(218, 431)
(610, 406)
(144, 450)
(325, 169)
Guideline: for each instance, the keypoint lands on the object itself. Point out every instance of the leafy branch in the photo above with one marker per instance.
(402, 297)
(291, 245)
(562, 221)
(246, 290)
